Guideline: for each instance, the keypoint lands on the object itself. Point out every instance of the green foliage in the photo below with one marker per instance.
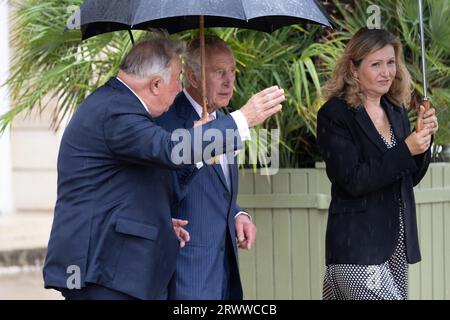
(49, 63)
(284, 58)
(52, 64)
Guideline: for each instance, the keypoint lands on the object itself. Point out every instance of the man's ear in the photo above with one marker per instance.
(155, 85)
(192, 78)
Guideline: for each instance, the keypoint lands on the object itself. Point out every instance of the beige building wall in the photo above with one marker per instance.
(34, 151)
(28, 152)
(6, 203)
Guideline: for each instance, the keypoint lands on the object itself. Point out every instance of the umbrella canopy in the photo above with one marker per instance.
(100, 16)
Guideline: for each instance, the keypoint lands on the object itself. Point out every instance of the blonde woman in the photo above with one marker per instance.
(373, 161)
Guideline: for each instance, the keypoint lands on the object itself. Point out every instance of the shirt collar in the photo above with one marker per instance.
(142, 101)
(198, 108)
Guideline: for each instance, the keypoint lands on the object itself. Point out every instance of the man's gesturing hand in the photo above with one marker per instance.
(263, 105)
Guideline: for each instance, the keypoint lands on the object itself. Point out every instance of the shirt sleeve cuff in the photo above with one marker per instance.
(244, 213)
(199, 165)
(241, 123)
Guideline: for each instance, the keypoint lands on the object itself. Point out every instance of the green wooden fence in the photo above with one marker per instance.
(290, 212)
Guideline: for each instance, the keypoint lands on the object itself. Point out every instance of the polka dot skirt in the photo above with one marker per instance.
(386, 281)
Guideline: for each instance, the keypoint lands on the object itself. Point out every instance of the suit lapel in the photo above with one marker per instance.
(233, 175)
(218, 167)
(364, 121)
(187, 112)
(395, 118)
(189, 121)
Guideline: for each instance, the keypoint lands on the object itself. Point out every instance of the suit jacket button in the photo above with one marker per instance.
(226, 194)
(222, 247)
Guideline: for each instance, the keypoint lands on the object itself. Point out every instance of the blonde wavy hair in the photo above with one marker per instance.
(345, 85)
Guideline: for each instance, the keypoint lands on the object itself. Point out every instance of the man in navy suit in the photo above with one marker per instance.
(112, 235)
(207, 268)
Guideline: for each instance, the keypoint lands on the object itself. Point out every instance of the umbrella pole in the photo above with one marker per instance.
(426, 103)
(202, 65)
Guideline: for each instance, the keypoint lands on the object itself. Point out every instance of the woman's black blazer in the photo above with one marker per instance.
(368, 179)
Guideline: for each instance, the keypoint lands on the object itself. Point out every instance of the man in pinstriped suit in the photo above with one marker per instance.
(207, 267)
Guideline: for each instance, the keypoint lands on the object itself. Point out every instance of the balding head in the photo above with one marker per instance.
(152, 57)
(152, 70)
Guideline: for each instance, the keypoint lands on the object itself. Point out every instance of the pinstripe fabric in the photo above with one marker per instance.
(207, 266)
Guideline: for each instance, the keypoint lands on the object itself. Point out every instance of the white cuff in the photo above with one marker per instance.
(244, 213)
(199, 165)
(242, 125)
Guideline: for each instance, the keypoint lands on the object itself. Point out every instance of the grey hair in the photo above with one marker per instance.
(192, 56)
(151, 57)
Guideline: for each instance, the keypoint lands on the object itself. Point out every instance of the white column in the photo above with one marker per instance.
(6, 197)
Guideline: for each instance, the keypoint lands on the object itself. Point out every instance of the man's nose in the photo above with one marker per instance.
(228, 79)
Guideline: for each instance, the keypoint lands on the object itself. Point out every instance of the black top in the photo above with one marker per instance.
(366, 178)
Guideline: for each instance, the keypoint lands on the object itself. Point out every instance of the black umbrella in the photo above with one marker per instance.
(101, 16)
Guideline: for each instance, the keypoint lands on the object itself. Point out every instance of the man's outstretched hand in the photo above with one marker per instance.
(263, 105)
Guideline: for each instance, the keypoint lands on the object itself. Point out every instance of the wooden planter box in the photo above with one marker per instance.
(290, 212)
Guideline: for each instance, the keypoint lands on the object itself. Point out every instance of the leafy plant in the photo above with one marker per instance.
(285, 58)
(50, 64)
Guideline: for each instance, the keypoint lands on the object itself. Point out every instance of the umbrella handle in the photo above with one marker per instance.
(419, 121)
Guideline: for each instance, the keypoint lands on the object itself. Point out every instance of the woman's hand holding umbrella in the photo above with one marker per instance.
(429, 119)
